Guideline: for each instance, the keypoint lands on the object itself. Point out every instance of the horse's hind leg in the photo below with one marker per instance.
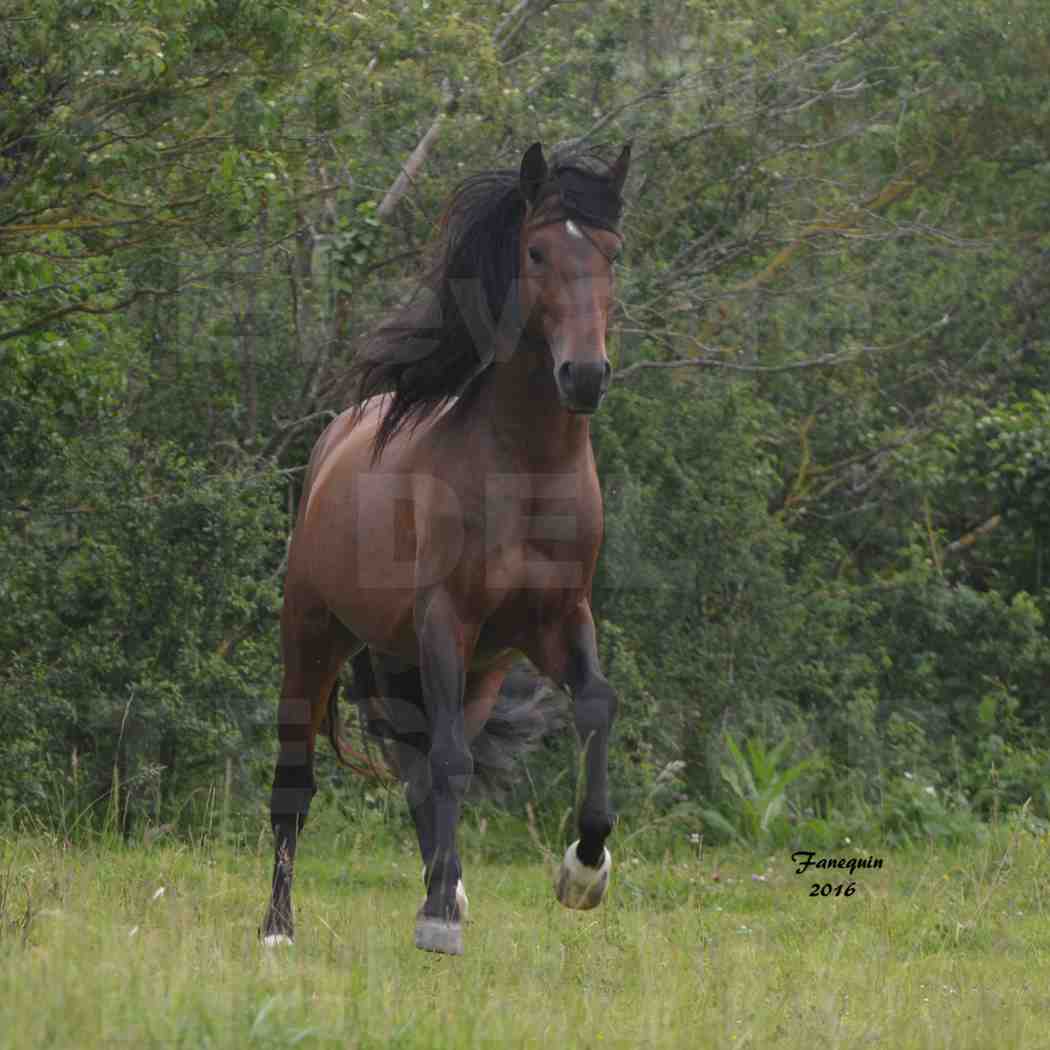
(314, 646)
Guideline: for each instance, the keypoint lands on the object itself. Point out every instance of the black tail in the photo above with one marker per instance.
(527, 710)
(362, 764)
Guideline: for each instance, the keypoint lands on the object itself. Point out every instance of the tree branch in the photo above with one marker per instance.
(823, 361)
(963, 542)
(515, 21)
(502, 38)
(417, 157)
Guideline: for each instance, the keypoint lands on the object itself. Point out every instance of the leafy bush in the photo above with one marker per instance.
(143, 593)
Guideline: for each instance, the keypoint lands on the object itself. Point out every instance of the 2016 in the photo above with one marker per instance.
(827, 890)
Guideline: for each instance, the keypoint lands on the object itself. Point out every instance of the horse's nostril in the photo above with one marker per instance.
(565, 378)
(606, 375)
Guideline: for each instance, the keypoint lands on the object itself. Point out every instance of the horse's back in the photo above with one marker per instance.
(351, 431)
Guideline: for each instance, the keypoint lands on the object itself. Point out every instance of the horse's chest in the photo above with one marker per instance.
(530, 584)
(546, 555)
(528, 555)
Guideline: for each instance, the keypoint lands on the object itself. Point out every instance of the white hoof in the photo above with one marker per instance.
(461, 899)
(437, 935)
(579, 886)
(276, 940)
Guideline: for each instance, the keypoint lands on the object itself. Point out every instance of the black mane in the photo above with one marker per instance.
(426, 353)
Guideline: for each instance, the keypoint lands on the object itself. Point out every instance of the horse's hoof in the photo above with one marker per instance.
(462, 903)
(461, 899)
(276, 940)
(579, 886)
(439, 935)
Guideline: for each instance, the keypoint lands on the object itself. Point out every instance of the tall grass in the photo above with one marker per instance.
(107, 944)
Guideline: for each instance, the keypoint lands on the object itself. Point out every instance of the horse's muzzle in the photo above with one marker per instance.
(582, 385)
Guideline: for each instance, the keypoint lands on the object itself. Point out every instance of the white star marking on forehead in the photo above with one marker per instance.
(573, 229)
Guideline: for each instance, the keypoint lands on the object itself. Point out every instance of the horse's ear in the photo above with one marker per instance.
(533, 172)
(618, 172)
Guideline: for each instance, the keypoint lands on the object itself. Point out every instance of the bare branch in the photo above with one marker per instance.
(515, 21)
(504, 36)
(732, 366)
(963, 542)
(286, 433)
(714, 357)
(417, 157)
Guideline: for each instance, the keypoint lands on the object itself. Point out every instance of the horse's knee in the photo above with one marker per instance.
(451, 767)
(416, 780)
(595, 707)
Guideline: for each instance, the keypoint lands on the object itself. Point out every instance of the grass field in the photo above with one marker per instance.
(936, 949)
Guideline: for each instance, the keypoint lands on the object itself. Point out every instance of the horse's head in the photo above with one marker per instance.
(569, 244)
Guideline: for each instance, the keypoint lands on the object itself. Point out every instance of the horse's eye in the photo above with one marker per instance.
(536, 255)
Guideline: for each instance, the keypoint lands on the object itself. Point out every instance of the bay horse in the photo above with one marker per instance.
(451, 521)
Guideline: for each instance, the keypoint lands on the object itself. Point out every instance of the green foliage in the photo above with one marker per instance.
(911, 812)
(143, 594)
(757, 812)
(692, 570)
(831, 525)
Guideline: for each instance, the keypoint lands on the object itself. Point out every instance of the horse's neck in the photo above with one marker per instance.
(520, 406)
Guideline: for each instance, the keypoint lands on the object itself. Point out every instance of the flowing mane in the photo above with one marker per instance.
(426, 353)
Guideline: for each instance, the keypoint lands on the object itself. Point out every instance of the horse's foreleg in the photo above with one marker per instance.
(414, 770)
(444, 646)
(403, 719)
(399, 715)
(571, 657)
